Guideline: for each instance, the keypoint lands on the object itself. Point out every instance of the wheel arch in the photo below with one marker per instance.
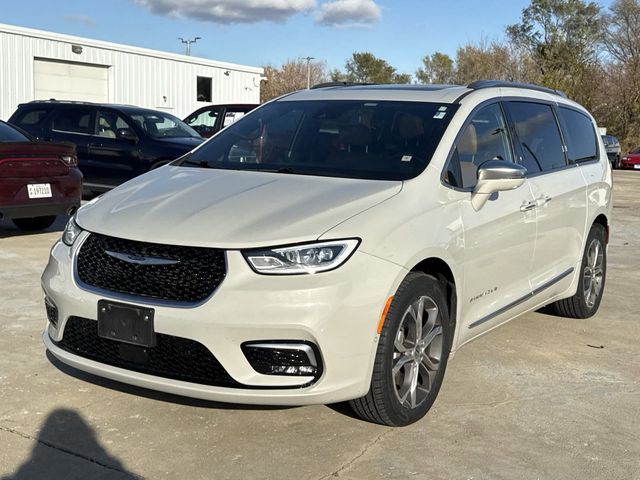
(442, 271)
(604, 221)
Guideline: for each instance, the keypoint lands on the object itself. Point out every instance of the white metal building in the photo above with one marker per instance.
(38, 65)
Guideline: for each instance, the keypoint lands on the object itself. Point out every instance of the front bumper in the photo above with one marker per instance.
(338, 311)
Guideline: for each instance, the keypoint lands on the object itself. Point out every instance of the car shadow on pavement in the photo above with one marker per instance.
(8, 229)
(153, 394)
(67, 447)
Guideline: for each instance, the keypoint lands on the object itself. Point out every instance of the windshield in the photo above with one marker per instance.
(8, 134)
(162, 125)
(355, 139)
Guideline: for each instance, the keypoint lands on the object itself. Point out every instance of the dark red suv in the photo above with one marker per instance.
(38, 180)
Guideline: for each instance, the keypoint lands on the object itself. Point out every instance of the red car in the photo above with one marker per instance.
(38, 180)
(631, 160)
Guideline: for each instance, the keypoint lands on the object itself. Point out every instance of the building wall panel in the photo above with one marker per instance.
(135, 76)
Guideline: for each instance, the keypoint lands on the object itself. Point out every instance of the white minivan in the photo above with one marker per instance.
(339, 243)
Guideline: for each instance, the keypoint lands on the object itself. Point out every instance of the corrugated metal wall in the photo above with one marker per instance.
(136, 76)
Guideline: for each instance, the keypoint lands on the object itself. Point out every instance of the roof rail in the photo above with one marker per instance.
(53, 100)
(480, 84)
(341, 84)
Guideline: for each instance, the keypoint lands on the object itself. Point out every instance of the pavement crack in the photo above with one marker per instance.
(364, 451)
(68, 452)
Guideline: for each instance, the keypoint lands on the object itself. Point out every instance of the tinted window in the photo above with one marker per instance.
(162, 125)
(357, 139)
(484, 138)
(108, 123)
(204, 122)
(580, 136)
(30, 117)
(73, 120)
(8, 134)
(539, 136)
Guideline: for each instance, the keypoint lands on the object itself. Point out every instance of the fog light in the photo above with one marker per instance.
(283, 358)
(52, 311)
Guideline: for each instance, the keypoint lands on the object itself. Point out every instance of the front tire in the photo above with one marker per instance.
(413, 350)
(593, 273)
(34, 224)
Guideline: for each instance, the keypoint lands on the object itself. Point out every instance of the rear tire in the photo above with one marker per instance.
(593, 274)
(413, 350)
(34, 224)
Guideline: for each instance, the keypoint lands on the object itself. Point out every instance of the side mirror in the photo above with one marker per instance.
(496, 176)
(127, 134)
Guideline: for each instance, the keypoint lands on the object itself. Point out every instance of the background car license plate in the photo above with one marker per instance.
(39, 190)
(637, 166)
(126, 323)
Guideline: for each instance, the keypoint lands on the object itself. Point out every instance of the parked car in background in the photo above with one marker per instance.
(209, 120)
(631, 160)
(115, 143)
(612, 146)
(337, 244)
(38, 180)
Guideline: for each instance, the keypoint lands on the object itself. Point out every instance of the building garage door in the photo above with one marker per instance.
(70, 81)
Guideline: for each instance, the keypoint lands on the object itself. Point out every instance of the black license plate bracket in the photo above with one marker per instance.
(126, 323)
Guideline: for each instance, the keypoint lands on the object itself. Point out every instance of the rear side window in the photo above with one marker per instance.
(8, 134)
(582, 143)
(537, 130)
(30, 118)
(73, 120)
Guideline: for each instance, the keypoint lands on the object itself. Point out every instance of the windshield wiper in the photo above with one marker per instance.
(286, 170)
(197, 163)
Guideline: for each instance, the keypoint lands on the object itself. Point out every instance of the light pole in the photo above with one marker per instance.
(188, 43)
(308, 60)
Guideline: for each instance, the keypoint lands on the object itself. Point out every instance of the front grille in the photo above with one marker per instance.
(173, 357)
(195, 275)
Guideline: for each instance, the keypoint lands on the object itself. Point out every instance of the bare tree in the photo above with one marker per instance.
(621, 96)
(291, 76)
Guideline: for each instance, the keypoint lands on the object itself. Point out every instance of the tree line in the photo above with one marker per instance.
(590, 53)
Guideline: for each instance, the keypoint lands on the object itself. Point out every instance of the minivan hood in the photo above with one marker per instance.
(229, 208)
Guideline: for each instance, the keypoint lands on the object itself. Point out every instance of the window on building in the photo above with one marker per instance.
(539, 136)
(579, 134)
(204, 89)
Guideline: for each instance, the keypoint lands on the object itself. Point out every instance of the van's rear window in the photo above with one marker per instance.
(356, 139)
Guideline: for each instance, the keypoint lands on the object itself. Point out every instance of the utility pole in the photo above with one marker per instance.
(187, 44)
(308, 60)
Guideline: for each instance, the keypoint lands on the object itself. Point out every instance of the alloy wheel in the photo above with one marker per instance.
(593, 274)
(417, 352)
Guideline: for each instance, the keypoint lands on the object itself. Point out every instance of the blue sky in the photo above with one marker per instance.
(400, 31)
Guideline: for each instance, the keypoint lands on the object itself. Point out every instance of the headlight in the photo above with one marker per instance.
(301, 259)
(71, 232)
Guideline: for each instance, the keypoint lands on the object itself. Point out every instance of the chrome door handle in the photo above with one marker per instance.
(543, 200)
(526, 206)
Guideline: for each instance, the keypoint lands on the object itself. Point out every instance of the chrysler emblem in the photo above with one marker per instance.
(141, 260)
